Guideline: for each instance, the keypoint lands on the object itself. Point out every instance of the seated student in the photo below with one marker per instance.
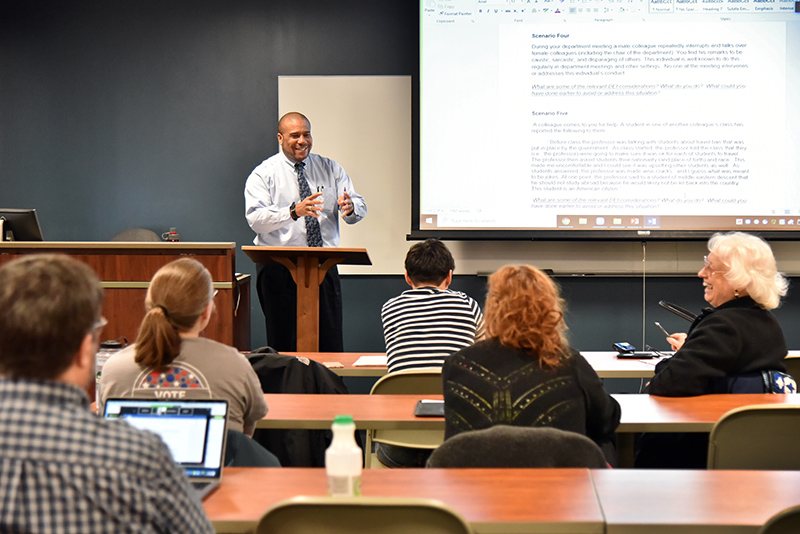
(64, 469)
(736, 338)
(427, 323)
(524, 373)
(171, 360)
(424, 325)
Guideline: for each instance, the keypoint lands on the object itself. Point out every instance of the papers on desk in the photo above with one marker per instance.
(375, 360)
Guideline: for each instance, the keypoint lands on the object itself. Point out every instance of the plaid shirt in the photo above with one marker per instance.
(64, 470)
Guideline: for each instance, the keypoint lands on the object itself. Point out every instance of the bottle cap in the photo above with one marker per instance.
(343, 420)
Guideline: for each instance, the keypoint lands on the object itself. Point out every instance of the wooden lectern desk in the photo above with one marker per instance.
(125, 270)
(308, 266)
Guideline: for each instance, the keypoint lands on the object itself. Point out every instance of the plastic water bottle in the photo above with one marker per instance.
(343, 459)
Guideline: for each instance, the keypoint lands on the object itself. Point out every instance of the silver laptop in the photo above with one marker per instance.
(194, 431)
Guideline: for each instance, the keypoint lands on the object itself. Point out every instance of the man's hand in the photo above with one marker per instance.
(312, 205)
(676, 340)
(345, 204)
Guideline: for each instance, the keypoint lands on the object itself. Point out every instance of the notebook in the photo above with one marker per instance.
(194, 431)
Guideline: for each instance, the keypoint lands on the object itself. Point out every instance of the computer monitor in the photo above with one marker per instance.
(19, 225)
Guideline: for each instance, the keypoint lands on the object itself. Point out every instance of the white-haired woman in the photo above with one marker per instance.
(739, 335)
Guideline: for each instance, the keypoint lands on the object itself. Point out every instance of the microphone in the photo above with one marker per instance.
(677, 310)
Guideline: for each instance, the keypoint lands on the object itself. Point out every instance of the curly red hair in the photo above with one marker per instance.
(524, 311)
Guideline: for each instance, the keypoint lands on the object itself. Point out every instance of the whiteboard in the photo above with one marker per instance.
(363, 123)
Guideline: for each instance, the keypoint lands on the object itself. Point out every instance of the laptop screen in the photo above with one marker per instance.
(194, 430)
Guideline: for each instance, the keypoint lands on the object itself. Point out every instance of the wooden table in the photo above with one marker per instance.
(614, 501)
(651, 413)
(667, 501)
(605, 363)
(347, 359)
(640, 412)
(316, 411)
(491, 500)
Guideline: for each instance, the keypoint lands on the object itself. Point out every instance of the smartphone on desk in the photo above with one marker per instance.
(627, 351)
(623, 347)
(636, 355)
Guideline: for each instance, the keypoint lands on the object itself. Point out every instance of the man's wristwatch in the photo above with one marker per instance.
(292, 212)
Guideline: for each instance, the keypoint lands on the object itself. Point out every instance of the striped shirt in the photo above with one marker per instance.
(423, 326)
(63, 470)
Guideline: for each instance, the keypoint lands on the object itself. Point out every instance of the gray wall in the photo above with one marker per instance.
(119, 114)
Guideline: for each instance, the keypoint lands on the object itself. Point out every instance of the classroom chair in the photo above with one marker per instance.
(784, 522)
(517, 446)
(413, 381)
(377, 515)
(792, 366)
(756, 437)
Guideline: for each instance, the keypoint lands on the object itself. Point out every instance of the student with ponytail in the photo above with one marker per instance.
(170, 360)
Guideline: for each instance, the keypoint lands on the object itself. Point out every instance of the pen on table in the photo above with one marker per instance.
(662, 329)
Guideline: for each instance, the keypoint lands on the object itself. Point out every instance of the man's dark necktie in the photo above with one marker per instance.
(313, 235)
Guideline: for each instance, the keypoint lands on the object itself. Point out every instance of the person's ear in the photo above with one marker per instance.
(408, 280)
(449, 279)
(85, 358)
(205, 317)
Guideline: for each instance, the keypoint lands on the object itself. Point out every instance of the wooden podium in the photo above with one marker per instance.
(125, 270)
(308, 266)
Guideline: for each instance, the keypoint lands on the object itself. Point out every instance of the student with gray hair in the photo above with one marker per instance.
(739, 334)
(729, 348)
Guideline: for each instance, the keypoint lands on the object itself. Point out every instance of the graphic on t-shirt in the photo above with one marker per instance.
(173, 382)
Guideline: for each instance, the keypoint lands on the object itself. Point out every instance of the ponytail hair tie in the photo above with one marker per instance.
(163, 309)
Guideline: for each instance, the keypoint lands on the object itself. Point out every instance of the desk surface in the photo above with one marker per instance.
(661, 501)
(606, 364)
(640, 412)
(492, 500)
(538, 500)
(347, 359)
(650, 413)
(316, 411)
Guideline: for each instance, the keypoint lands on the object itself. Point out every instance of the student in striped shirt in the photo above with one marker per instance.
(427, 323)
(424, 325)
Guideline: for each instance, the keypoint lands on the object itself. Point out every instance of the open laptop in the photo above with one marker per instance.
(194, 431)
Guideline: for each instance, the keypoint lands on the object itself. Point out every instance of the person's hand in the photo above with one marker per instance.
(312, 205)
(676, 340)
(345, 204)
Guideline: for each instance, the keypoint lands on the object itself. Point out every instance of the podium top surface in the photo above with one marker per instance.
(350, 256)
(128, 245)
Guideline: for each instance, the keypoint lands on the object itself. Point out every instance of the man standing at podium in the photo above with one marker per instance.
(295, 199)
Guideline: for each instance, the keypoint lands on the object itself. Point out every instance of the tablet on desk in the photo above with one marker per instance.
(429, 408)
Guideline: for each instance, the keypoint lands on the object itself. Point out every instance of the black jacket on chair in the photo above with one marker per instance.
(280, 373)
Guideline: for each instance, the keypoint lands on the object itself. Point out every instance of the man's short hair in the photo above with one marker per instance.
(48, 303)
(429, 262)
